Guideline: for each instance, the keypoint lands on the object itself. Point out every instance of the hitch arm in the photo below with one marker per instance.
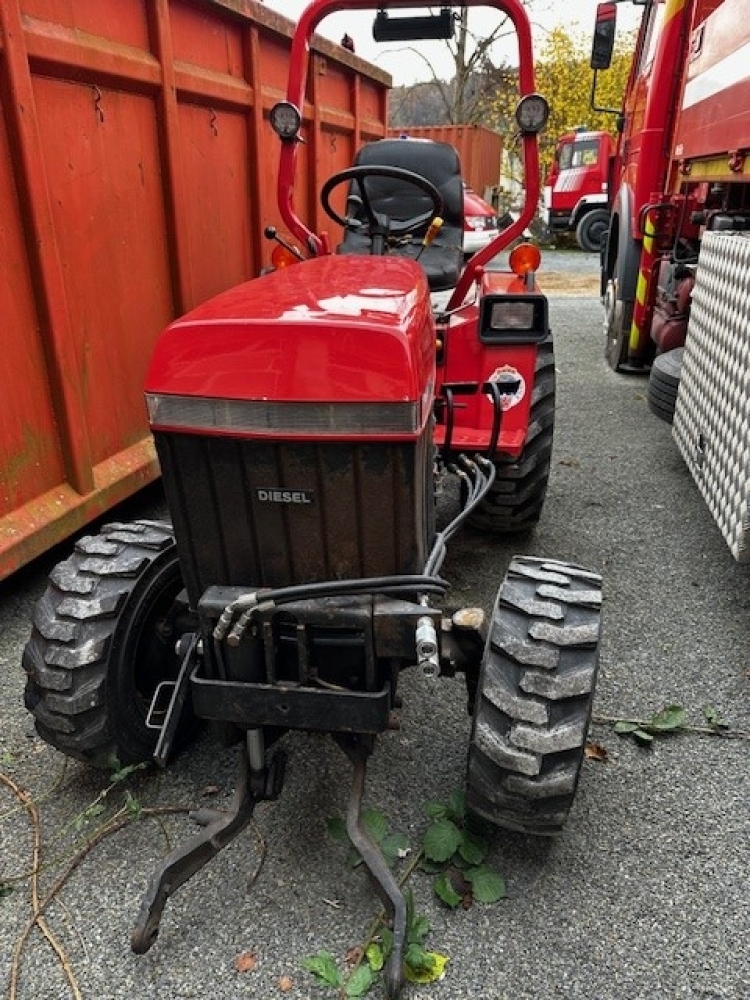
(385, 883)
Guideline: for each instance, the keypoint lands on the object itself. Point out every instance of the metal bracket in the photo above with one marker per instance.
(180, 688)
(253, 785)
(385, 883)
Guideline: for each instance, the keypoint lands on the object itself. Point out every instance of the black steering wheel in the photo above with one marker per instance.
(380, 225)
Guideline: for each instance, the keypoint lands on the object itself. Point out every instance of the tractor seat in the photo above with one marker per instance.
(438, 162)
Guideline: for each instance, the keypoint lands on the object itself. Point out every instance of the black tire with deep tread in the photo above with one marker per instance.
(534, 697)
(103, 636)
(664, 382)
(514, 503)
(591, 229)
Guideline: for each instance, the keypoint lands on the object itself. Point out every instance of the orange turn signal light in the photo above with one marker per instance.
(524, 258)
(283, 257)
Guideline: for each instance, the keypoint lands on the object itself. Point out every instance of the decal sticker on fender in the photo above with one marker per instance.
(274, 494)
(507, 373)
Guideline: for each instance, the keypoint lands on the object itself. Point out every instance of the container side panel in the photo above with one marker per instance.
(30, 460)
(214, 155)
(122, 21)
(105, 187)
(202, 37)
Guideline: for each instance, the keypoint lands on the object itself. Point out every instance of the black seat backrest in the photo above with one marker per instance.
(438, 162)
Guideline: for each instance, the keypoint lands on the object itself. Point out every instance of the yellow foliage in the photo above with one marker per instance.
(564, 77)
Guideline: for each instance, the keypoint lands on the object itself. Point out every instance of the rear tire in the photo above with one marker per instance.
(534, 697)
(591, 229)
(103, 637)
(664, 382)
(514, 503)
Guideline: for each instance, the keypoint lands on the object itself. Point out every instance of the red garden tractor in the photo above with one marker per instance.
(303, 420)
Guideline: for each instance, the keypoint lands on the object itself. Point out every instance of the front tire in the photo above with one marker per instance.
(534, 697)
(103, 638)
(514, 503)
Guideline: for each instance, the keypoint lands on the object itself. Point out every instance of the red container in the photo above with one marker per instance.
(480, 150)
(137, 173)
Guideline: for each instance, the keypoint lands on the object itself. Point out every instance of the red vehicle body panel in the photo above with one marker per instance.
(714, 114)
(300, 335)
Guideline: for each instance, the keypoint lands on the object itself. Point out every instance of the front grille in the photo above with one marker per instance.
(256, 513)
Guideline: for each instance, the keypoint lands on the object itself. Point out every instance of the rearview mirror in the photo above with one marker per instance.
(604, 36)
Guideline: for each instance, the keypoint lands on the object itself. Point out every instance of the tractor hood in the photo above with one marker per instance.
(347, 332)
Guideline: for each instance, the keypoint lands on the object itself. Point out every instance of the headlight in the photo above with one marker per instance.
(513, 319)
(285, 120)
(532, 113)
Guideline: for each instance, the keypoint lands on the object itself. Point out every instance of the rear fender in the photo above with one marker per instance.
(466, 360)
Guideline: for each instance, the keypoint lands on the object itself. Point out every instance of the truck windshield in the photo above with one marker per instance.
(583, 153)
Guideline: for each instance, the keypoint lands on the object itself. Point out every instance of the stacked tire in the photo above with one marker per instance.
(663, 383)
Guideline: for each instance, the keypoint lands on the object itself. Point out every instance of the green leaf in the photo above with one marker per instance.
(436, 810)
(641, 736)
(488, 886)
(337, 829)
(713, 718)
(445, 891)
(457, 807)
(132, 805)
(5, 890)
(91, 812)
(418, 929)
(386, 939)
(418, 960)
(323, 967)
(394, 847)
(431, 867)
(472, 849)
(360, 982)
(375, 957)
(375, 823)
(441, 840)
(670, 718)
(623, 726)
(431, 975)
(121, 773)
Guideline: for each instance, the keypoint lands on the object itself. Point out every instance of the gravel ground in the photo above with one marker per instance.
(644, 897)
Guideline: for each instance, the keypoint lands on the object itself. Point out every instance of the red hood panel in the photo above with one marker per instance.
(302, 334)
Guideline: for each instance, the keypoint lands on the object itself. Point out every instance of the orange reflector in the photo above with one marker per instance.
(281, 257)
(524, 258)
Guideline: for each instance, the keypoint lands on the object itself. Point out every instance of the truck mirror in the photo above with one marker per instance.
(604, 36)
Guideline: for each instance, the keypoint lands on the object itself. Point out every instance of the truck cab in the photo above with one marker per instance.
(575, 191)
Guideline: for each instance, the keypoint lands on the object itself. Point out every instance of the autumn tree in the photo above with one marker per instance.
(456, 91)
(564, 77)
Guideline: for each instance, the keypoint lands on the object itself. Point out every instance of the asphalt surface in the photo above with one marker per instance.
(644, 896)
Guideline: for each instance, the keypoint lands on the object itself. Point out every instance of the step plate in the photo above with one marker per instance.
(712, 416)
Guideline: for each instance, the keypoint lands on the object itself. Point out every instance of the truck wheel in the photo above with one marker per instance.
(618, 315)
(591, 229)
(515, 501)
(620, 265)
(103, 637)
(663, 383)
(534, 697)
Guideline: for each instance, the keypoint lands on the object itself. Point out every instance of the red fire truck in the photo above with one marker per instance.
(676, 260)
(575, 191)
